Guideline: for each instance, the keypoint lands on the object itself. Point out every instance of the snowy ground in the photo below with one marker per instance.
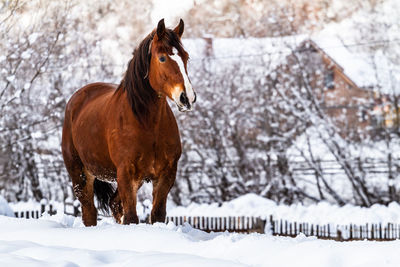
(5, 209)
(63, 241)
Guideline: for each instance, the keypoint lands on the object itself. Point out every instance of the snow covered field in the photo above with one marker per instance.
(63, 241)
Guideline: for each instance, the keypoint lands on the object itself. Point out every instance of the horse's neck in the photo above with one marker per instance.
(157, 112)
(157, 109)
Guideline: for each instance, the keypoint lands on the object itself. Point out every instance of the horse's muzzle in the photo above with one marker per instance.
(184, 104)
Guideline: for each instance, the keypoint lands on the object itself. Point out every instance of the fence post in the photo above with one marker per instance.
(260, 225)
(372, 231)
(225, 227)
(339, 234)
(351, 232)
(263, 223)
(271, 225)
(43, 203)
(329, 230)
(76, 208)
(385, 229)
(286, 227)
(51, 209)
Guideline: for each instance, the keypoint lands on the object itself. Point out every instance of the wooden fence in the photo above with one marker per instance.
(36, 213)
(351, 232)
(246, 224)
(72, 208)
(279, 227)
(242, 224)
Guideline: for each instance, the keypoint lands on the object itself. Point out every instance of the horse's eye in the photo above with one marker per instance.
(162, 59)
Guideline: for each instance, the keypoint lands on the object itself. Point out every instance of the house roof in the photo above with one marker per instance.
(367, 70)
(356, 66)
(367, 47)
(269, 51)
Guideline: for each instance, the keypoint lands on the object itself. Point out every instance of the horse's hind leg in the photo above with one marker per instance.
(89, 211)
(82, 182)
(116, 207)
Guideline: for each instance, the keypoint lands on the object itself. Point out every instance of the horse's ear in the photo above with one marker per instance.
(160, 29)
(179, 29)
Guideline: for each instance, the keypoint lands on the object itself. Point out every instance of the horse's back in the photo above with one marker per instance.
(90, 93)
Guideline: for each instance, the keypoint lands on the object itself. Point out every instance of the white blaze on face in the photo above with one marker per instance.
(176, 93)
(188, 85)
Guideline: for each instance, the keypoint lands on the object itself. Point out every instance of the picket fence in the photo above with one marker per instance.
(248, 224)
(351, 232)
(243, 224)
(36, 213)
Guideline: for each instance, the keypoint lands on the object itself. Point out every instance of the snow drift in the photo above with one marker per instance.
(63, 241)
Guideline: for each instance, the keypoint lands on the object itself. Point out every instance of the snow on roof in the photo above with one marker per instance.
(356, 66)
(226, 50)
(367, 46)
(348, 43)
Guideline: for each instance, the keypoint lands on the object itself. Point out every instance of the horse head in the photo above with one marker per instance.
(168, 66)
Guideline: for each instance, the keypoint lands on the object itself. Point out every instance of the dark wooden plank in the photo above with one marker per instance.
(329, 230)
(351, 234)
(224, 226)
(286, 227)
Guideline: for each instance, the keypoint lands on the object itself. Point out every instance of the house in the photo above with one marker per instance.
(348, 94)
(351, 85)
(354, 85)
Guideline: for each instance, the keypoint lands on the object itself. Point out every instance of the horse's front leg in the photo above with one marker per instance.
(161, 188)
(127, 189)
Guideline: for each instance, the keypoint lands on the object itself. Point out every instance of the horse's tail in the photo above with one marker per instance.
(103, 191)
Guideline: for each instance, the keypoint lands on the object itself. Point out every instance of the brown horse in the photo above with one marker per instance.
(127, 133)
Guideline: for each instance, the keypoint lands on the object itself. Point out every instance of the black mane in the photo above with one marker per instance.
(136, 83)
